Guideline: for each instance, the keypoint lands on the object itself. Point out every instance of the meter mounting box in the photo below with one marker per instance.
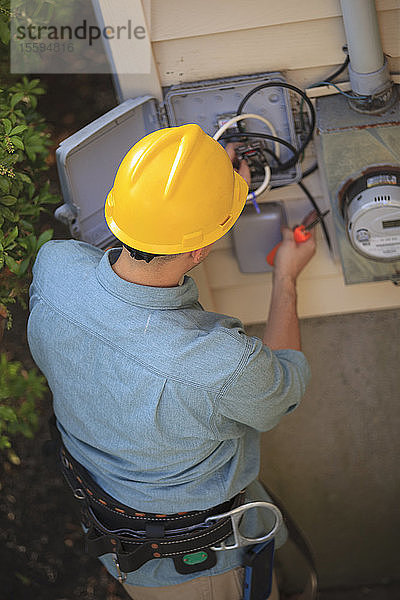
(88, 160)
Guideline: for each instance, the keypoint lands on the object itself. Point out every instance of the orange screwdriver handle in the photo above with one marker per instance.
(301, 234)
(271, 255)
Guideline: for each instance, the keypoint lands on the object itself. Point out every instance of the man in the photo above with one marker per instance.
(160, 401)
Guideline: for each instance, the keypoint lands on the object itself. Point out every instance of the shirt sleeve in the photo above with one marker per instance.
(268, 385)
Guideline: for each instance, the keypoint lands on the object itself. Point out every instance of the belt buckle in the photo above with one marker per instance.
(236, 514)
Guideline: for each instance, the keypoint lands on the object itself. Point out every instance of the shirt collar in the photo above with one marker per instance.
(142, 295)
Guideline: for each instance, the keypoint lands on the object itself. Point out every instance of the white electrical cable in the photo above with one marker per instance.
(267, 179)
(234, 120)
(265, 184)
(263, 187)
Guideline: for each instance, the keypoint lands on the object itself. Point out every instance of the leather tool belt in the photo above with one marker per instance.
(135, 537)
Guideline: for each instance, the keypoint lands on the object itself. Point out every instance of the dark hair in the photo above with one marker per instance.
(146, 256)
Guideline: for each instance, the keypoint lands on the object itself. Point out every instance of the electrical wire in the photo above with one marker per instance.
(263, 187)
(310, 170)
(328, 79)
(342, 68)
(316, 207)
(254, 134)
(338, 89)
(297, 153)
(267, 169)
(241, 117)
(301, 185)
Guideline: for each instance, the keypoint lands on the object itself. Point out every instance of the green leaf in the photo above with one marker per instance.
(7, 414)
(18, 143)
(4, 32)
(23, 266)
(8, 200)
(24, 177)
(4, 184)
(4, 442)
(11, 237)
(32, 83)
(30, 244)
(44, 237)
(18, 129)
(7, 126)
(31, 155)
(7, 214)
(12, 264)
(26, 225)
(16, 98)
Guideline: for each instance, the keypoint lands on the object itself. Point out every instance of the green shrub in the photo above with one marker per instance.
(19, 391)
(24, 196)
(24, 192)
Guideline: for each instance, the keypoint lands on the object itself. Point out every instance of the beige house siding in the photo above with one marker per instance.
(194, 40)
(198, 40)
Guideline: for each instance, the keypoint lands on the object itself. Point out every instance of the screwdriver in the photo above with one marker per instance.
(301, 233)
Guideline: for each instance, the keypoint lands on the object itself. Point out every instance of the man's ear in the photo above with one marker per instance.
(199, 255)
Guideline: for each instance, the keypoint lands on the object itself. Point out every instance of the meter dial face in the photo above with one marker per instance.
(374, 227)
(371, 210)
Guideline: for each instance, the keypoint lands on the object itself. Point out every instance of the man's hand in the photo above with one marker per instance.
(240, 166)
(291, 257)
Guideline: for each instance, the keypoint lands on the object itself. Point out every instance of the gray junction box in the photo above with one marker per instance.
(255, 235)
(88, 160)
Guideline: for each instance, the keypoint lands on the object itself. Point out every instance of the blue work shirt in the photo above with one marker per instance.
(162, 402)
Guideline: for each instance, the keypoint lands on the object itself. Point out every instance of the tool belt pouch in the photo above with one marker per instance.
(135, 537)
(258, 563)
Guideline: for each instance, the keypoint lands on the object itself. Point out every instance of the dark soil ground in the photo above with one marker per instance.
(41, 545)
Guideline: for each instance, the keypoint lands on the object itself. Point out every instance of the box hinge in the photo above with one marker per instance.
(162, 115)
(68, 214)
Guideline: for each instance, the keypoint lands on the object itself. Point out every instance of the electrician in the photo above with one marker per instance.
(159, 403)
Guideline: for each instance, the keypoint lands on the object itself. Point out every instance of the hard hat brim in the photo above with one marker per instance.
(188, 243)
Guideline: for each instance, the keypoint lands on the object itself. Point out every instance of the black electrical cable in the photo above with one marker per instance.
(316, 207)
(340, 70)
(230, 136)
(235, 136)
(330, 78)
(251, 134)
(296, 153)
(310, 170)
(314, 167)
(292, 161)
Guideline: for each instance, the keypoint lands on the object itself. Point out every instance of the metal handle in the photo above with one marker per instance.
(236, 514)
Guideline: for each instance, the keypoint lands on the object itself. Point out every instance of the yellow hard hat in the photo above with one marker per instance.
(174, 191)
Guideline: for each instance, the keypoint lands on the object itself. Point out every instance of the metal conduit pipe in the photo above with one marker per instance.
(368, 68)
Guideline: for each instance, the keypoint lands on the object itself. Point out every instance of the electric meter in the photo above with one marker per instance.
(370, 204)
